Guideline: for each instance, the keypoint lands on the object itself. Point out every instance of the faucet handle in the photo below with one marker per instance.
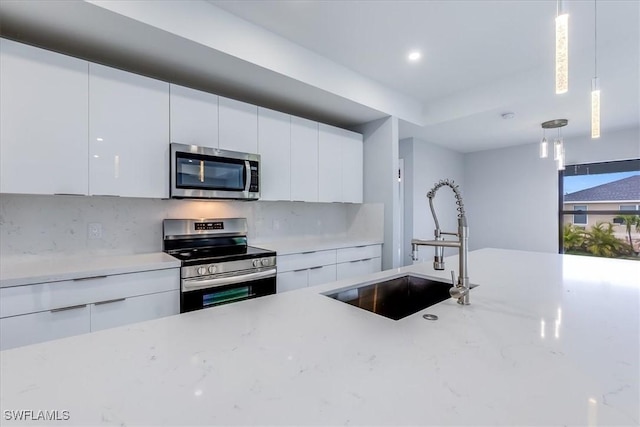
(453, 279)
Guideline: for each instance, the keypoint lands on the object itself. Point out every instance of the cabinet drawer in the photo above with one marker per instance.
(291, 280)
(320, 275)
(48, 325)
(306, 260)
(357, 268)
(358, 252)
(46, 296)
(125, 311)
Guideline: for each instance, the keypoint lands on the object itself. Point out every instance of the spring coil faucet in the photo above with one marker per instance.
(460, 288)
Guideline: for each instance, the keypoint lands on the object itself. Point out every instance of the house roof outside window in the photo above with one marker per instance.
(626, 189)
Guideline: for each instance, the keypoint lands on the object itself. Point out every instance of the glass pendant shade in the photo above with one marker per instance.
(562, 53)
(561, 157)
(544, 148)
(558, 148)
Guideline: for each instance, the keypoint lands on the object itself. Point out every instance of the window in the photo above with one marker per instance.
(610, 193)
(580, 218)
(618, 220)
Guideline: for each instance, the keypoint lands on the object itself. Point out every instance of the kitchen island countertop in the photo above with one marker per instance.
(547, 340)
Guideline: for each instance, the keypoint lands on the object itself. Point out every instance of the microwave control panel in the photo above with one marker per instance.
(254, 186)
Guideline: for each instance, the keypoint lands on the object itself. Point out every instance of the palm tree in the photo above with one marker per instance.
(600, 241)
(630, 221)
(573, 238)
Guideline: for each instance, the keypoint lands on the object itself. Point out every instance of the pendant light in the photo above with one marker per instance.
(558, 142)
(562, 48)
(544, 146)
(595, 84)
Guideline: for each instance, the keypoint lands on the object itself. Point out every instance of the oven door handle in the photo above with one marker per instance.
(192, 285)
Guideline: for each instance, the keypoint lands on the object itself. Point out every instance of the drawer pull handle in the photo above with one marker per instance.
(308, 252)
(110, 301)
(80, 279)
(73, 307)
(356, 260)
(299, 270)
(316, 268)
(362, 246)
(366, 259)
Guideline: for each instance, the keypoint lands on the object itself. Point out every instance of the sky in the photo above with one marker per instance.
(580, 182)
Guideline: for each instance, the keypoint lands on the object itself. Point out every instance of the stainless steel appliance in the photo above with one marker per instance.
(209, 173)
(218, 267)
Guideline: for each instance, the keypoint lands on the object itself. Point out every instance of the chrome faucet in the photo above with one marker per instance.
(460, 288)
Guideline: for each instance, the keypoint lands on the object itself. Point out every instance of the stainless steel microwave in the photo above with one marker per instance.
(209, 173)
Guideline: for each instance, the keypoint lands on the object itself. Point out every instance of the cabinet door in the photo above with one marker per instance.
(357, 268)
(304, 160)
(43, 121)
(128, 134)
(124, 311)
(329, 164)
(291, 280)
(274, 147)
(238, 124)
(320, 275)
(352, 169)
(194, 117)
(44, 326)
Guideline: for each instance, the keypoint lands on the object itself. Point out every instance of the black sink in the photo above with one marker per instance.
(396, 298)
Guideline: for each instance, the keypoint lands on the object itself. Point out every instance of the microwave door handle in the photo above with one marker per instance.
(247, 177)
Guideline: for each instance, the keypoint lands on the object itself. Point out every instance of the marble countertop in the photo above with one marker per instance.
(30, 269)
(292, 246)
(547, 340)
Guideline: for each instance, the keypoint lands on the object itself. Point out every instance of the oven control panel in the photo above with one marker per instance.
(228, 267)
(206, 226)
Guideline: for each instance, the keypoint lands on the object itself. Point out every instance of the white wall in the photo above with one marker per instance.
(58, 224)
(381, 181)
(512, 195)
(430, 164)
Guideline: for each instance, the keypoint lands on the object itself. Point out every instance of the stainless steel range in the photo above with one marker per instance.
(218, 267)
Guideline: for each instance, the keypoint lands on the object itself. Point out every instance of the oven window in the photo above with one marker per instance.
(229, 295)
(193, 171)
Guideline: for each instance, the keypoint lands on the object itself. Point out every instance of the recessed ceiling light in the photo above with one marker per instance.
(414, 56)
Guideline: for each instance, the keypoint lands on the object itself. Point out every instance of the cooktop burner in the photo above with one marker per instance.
(195, 256)
(208, 241)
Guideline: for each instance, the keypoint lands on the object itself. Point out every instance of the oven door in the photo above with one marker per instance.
(202, 293)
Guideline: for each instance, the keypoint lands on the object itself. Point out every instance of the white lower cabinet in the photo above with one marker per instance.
(361, 267)
(291, 280)
(44, 326)
(124, 311)
(322, 274)
(303, 269)
(45, 311)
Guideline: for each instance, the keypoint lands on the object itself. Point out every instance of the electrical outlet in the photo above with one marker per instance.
(95, 230)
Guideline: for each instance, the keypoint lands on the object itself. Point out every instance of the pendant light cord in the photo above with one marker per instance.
(595, 37)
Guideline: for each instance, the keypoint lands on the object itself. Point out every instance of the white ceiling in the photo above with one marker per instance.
(480, 58)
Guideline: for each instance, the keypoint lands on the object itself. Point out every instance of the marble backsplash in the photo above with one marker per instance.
(50, 225)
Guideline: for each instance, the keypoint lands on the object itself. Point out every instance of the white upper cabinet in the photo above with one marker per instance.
(274, 147)
(238, 126)
(352, 167)
(194, 117)
(43, 121)
(329, 164)
(340, 165)
(304, 160)
(128, 134)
